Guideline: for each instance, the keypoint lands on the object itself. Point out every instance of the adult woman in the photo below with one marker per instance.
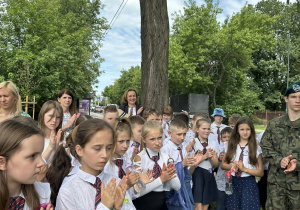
(66, 100)
(10, 101)
(129, 103)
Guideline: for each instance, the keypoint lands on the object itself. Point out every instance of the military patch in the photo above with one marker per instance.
(296, 88)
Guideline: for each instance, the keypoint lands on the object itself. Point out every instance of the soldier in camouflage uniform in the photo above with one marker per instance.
(281, 147)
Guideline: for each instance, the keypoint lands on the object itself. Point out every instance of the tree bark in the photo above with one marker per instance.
(155, 53)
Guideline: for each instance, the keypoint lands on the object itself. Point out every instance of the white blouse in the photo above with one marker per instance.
(190, 135)
(46, 144)
(77, 191)
(211, 145)
(147, 163)
(246, 161)
(129, 151)
(44, 192)
(112, 169)
(171, 149)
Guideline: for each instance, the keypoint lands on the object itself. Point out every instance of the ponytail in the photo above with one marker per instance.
(61, 165)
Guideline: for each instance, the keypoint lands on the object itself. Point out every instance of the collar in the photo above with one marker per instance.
(88, 177)
(285, 120)
(222, 125)
(151, 153)
(174, 146)
(201, 141)
(122, 157)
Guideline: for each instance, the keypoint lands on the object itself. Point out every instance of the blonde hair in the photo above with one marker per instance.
(124, 97)
(58, 111)
(12, 135)
(148, 127)
(12, 87)
(199, 123)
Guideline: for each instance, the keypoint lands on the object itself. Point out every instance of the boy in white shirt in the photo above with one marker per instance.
(217, 126)
(135, 147)
(220, 177)
(167, 117)
(182, 199)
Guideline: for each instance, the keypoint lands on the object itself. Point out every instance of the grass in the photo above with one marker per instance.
(259, 128)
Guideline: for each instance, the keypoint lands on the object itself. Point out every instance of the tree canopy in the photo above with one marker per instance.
(129, 79)
(46, 46)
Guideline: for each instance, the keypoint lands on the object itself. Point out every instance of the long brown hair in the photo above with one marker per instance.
(72, 108)
(61, 163)
(235, 139)
(12, 135)
(58, 111)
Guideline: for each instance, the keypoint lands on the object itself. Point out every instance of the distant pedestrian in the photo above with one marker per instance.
(129, 103)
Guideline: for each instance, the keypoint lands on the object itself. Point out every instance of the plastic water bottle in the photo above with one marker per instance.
(140, 185)
(228, 183)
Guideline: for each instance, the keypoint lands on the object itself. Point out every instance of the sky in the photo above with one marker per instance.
(121, 47)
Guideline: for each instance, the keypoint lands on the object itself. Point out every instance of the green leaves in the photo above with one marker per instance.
(46, 46)
(130, 78)
(208, 58)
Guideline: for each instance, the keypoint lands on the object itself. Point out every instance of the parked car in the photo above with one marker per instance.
(98, 109)
(93, 108)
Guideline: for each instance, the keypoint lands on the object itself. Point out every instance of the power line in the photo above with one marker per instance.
(112, 22)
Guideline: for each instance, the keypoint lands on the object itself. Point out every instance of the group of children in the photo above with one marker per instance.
(152, 162)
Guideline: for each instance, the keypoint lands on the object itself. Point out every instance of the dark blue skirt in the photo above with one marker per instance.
(204, 189)
(245, 194)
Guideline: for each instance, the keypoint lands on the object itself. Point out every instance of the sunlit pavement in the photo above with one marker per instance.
(97, 115)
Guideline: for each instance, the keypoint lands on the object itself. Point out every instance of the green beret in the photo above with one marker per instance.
(294, 88)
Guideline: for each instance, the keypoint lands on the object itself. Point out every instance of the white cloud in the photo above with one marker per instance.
(122, 45)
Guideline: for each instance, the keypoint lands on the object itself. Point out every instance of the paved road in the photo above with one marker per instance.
(97, 115)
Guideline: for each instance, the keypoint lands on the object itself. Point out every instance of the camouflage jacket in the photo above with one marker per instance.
(282, 138)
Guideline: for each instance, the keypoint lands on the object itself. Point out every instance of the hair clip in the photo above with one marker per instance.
(185, 112)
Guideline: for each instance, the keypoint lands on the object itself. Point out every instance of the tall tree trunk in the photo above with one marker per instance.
(155, 53)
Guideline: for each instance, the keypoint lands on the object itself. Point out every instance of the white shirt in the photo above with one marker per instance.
(214, 128)
(198, 146)
(190, 135)
(166, 129)
(246, 161)
(66, 118)
(113, 169)
(133, 111)
(43, 190)
(171, 149)
(129, 151)
(46, 144)
(266, 165)
(77, 192)
(221, 175)
(147, 163)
